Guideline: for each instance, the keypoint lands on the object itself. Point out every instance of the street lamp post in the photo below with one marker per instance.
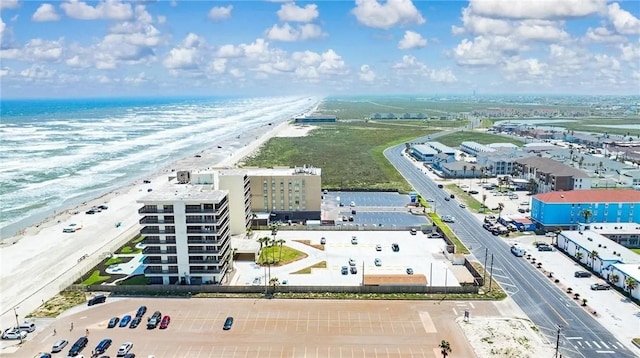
(18, 324)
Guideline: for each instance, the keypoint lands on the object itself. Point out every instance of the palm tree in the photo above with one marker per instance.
(532, 186)
(274, 282)
(579, 255)
(593, 256)
(580, 162)
(263, 241)
(614, 278)
(586, 214)
(473, 174)
(445, 348)
(631, 284)
(484, 198)
(500, 208)
(280, 242)
(464, 171)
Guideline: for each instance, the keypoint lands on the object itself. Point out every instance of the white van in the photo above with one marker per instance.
(27, 326)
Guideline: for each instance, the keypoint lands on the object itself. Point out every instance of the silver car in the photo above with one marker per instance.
(377, 262)
(59, 346)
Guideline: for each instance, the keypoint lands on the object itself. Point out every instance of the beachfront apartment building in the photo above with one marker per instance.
(237, 183)
(566, 209)
(186, 234)
(625, 234)
(551, 175)
(286, 193)
(608, 259)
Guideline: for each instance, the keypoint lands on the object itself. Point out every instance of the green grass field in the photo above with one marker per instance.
(469, 200)
(277, 257)
(454, 139)
(349, 154)
(95, 278)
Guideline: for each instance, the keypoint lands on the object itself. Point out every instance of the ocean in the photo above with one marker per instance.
(55, 154)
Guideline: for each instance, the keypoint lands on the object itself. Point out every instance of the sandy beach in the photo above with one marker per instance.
(42, 260)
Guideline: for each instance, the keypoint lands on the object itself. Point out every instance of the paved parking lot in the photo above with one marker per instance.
(400, 218)
(272, 328)
(418, 252)
(360, 199)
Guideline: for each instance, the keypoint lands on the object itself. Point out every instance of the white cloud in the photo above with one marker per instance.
(46, 12)
(37, 73)
(294, 13)
(630, 52)
(540, 30)
(186, 55)
(43, 50)
(623, 21)
(108, 9)
(478, 25)
(602, 34)
(366, 74)
(332, 64)
(412, 40)
(524, 70)
(236, 73)
(217, 66)
(162, 20)
(287, 33)
(483, 51)
(411, 67)
(539, 9)
(77, 61)
(229, 51)
(5, 72)
(311, 66)
(139, 79)
(218, 13)
(388, 14)
(443, 75)
(9, 4)
(3, 26)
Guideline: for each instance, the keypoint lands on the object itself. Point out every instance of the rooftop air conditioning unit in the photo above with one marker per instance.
(183, 177)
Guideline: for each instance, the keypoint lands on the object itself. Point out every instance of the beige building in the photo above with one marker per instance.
(286, 193)
(186, 234)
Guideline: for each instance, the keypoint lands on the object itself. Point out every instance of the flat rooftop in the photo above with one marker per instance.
(615, 228)
(185, 192)
(425, 149)
(592, 241)
(282, 171)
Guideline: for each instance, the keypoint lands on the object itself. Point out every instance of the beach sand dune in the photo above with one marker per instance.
(42, 260)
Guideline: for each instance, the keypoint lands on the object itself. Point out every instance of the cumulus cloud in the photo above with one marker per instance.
(287, 33)
(37, 73)
(43, 50)
(603, 34)
(46, 12)
(366, 74)
(479, 25)
(516, 69)
(412, 40)
(218, 13)
(539, 9)
(387, 14)
(484, 50)
(623, 21)
(109, 9)
(540, 30)
(9, 4)
(630, 52)
(139, 79)
(411, 67)
(293, 13)
(186, 55)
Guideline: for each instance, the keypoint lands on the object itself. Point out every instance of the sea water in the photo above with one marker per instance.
(56, 153)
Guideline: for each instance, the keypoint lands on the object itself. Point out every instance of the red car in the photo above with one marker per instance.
(165, 322)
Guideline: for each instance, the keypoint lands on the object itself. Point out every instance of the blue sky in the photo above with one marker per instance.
(150, 48)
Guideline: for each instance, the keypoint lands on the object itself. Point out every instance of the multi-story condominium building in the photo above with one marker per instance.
(423, 153)
(441, 148)
(625, 234)
(286, 193)
(236, 182)
(551, 175)
(474, 148)
(568, 209)
(186, 234)
(500, 163)
(606, 258)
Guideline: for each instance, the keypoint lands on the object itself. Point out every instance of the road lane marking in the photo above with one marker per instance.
(569, 338)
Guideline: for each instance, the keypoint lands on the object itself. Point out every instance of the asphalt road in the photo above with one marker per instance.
(546, 305)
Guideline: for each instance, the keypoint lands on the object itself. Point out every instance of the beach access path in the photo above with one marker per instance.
(41, 261)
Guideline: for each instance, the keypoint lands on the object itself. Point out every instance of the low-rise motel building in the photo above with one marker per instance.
(606, 258)
(568, 209)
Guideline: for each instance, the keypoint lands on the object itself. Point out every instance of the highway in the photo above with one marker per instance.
(546, 305)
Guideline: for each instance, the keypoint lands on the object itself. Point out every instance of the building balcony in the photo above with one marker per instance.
(150, 250)
(155, 220)
(203, 241)
(157, 260)
(205, 271)
(194, 261)
(193, 230)
(156, 231)
(158, 241)
(193, 250)
(152, 210)
(201, 220)
(160, 271)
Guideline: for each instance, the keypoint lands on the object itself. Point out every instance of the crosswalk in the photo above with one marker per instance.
(604, 347)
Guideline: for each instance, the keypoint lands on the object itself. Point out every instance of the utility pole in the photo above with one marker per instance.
(486, 255)
(491, 273)
(18, 324)
(558, 340)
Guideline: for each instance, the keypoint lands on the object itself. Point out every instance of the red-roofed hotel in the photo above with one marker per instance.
(567, 208)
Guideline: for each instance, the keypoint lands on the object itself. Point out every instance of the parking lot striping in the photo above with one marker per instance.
(573, 338)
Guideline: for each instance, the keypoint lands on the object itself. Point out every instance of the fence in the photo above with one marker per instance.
(338, 228)
(169, 290)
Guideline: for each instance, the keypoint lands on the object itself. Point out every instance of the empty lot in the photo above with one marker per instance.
(273, 328)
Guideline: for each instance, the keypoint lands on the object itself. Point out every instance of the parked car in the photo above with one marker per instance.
(354, 240)
(96, 299)
(440, 186)
(78, 346)
(12, 333)
(228, 323)
(323, 241)
(165, 322)
(129, 355)
(141, 311)
(462, 205)
(124, 349)
(395, 247)
(409, 271)
(377, 262)
(413, 231)
(582, 274)
(59, 346)
(344, 270)
(113, 322)
(103, 346)
(473, 192)
(125, 320)
(352, 262)
(378, 247)
(353, 269)
(43, 355)
(545, 248)
(154, 320)
(600, 286)
(27, 327)
(135, 322)
(446, 198)
(452, 196)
